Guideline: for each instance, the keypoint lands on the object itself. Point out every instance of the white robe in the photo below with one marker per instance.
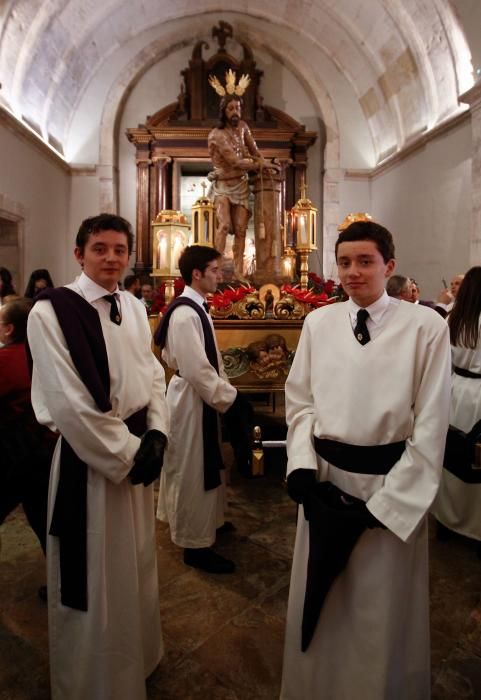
(372, 638)
(108, 651)
(458, 504)
(192, 512)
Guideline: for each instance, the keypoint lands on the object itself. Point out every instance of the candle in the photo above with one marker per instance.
(302, 230)
(162, 249)
(177, 248)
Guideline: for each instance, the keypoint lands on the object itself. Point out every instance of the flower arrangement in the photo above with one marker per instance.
(158, 304)
(223, 298)
(320, 292)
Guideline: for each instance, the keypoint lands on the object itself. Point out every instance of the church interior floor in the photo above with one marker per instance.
(224, 634)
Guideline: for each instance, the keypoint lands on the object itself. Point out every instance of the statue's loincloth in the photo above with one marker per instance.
(236, 191)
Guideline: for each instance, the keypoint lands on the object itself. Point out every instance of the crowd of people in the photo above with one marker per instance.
(367, 421)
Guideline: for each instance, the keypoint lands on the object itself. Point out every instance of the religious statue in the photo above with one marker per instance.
(234, 154)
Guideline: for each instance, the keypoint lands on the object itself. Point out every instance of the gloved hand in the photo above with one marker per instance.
(149, 458)
(301, 485)
(239, 421)
(371, 520)
(240, 410)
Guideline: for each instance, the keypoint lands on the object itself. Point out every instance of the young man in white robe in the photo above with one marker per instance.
(370, 392)
(191, 499)
(103, 602)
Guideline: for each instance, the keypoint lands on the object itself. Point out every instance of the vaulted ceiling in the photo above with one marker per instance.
(404, 62)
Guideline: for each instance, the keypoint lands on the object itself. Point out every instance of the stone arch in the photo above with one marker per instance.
(330, 175)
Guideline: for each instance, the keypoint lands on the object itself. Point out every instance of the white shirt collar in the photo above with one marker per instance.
(91, 290)
(192, 294)
(376, 310)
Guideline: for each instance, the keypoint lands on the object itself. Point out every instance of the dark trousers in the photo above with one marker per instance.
(24, 477)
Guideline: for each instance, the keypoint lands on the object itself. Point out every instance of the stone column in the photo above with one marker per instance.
(143, 253)
(473, 98)
(267, 211)
(160, 185)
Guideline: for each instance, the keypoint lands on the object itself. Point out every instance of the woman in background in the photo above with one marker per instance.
(26, 446)
(6, 285)
(39, 279)
(458, 503)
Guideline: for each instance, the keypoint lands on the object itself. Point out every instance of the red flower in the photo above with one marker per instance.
(315, 279)
(179, 286)
(227, 297)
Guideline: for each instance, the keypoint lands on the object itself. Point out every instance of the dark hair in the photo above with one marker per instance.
(369, 231)
(196, 257)
(7, 283)
(36, 275)
(104, 222)
(222, 107)
(464, 318)
(16, 312)
(396, 284)
(130, 280)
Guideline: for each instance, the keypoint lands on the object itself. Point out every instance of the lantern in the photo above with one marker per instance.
(304, 231)
(170, 233)
(203, 218)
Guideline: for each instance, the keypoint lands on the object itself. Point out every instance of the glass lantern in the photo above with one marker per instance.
(304, 231)
(170, 235)
(203, 221)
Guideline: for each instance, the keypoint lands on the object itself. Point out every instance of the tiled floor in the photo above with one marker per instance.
(224, 635)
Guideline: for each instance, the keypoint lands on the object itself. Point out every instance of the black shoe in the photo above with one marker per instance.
(478, 550)
(226, 527)
(42, 593)
(208, 560)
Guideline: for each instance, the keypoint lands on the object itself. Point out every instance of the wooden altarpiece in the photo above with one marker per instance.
(177, 135)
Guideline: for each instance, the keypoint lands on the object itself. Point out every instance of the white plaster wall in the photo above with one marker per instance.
(84, 202)
(425, 201)
(40, 189)
(354, 196)
(469, 13)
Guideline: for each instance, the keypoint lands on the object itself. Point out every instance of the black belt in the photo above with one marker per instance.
(466, 373)
(359, 459)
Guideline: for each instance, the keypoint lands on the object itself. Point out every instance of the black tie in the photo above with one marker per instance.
(115, 315)
(206, 306)
(360, 331)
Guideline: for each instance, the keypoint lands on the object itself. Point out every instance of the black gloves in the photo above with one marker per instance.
(240, 411)
(239, 421)
(301, 484)
(371, 520)
(302, 487)
(149, 458)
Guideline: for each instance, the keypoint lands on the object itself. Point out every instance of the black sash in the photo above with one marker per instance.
(359, 459)
(336, 521)
(210, 430)
(466, 373)
(80, 324)
(460, 456)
